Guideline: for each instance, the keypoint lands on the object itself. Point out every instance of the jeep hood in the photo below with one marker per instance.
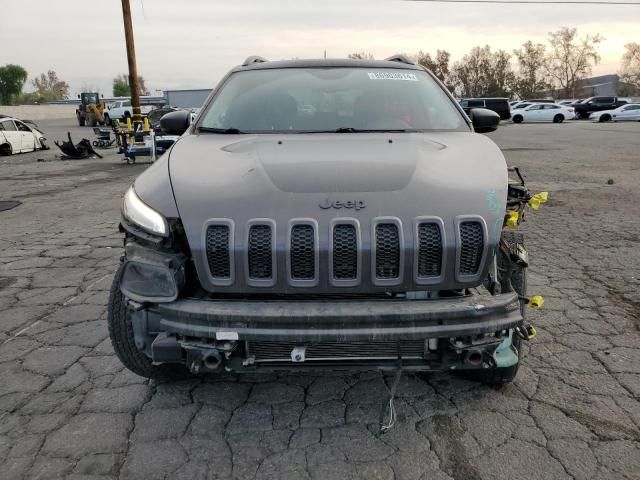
(282, 177)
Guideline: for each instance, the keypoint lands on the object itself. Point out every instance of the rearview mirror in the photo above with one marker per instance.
(484, 120)
(175, 123)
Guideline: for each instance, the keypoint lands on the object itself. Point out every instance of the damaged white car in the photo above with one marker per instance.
(17, 137)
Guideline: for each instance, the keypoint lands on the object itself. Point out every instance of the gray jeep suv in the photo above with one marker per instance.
(337, 214)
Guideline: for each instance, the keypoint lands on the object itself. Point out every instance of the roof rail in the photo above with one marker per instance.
(253, 59)
(399, 58)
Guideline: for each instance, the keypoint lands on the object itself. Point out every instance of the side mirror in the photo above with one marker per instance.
(175, 123)
(484, 120)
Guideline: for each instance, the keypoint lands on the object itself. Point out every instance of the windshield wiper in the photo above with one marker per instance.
(231, 131)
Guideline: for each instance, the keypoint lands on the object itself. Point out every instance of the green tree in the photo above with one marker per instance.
(531, 79)
(50, 87)
(12, 78)
(570, 58)
(439, 65)
(121, 86)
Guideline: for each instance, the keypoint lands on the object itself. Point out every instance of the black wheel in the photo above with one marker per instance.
(518, 280)
(81, 121)
(95, 143)
(558, 118)
(605, 118)
(5, 149)
(121, 333)
(517, 119)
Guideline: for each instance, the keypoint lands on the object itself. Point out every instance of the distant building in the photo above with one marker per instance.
(186, 98)
(600, 86)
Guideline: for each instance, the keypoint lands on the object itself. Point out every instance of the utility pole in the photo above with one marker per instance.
(131, 59)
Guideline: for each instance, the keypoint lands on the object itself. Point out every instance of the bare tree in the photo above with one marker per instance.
(439, 65)
(531, 79)
(482, 73)
(50, 87)
(630, 71)
(360, 56)
(570, 58)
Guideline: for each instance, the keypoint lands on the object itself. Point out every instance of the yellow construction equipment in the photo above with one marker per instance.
(91, 109)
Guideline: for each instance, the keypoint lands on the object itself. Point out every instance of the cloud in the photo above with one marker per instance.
(193, 43)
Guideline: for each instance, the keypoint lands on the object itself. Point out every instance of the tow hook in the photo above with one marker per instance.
(526, 332)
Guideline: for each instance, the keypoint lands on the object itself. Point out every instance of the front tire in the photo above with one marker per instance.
(517, 119)
(121, 333)
(6, 150)
(604, 118)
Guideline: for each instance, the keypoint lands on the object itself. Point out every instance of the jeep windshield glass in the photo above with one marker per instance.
(346, 100)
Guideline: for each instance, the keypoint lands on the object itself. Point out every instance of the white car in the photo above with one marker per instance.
(16, 137)
(121, 109)
(629, 112)
(519, 105)
(543, 112)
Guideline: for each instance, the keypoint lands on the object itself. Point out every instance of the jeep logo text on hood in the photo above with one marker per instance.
(338, 204)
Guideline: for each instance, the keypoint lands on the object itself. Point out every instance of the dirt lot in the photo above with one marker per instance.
(69, 409)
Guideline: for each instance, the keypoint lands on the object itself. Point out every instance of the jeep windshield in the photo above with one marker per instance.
(341, 100)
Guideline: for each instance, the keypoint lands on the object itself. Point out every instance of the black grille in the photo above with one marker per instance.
(345, 252)
(260, 257)
(353, 350)
(471, 247)
(218, 256)
(429, 250)
(387, 251)
(303, 265)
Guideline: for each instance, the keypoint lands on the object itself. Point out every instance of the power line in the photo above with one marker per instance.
(536, 2)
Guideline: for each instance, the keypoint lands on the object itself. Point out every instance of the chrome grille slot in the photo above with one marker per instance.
(302, 253)
(345, 252)
(387, 264)
(260, 252)
(429, 250)
(471, 247)
(218, 253)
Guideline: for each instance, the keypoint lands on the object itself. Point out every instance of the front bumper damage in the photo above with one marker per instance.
(209, 334)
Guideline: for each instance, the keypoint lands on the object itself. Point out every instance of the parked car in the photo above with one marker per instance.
(543, 112)
(596, 104)
(628, 112)
(498, 105)
(16, 137)
(520, 105)
(121, 110)
(540, 100)
(269, 239)
(570, 101)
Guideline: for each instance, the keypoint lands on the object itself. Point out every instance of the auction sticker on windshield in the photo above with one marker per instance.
(411, 77)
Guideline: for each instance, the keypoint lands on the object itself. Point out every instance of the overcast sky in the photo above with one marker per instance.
(192, 43)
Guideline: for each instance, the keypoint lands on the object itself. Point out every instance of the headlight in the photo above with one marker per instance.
(139, 213)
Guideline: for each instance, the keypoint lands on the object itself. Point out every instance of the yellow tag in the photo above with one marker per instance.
(538, 199)
(536, 302)
(512, 219)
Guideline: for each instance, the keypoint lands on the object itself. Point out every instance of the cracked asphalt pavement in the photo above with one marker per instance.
(68, 408)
